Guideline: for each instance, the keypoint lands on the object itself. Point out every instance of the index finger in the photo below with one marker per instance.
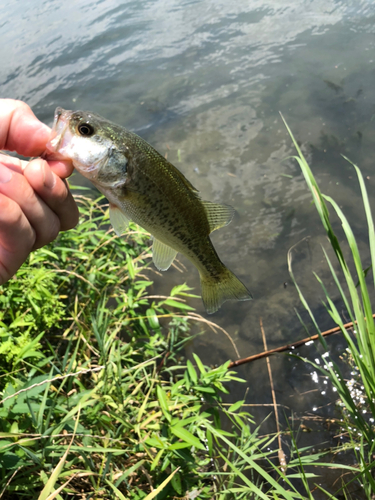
(20, 129)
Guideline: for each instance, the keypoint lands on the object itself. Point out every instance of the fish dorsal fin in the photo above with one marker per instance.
(218, 215)
(118, 220)
(162, 255)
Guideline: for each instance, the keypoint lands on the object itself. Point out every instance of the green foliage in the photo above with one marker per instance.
(29, 304)
(358, 415)
(97, 398)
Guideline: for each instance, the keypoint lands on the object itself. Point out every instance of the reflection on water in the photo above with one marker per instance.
(204, 81)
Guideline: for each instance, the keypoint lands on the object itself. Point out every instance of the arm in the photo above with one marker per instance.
(35, 202)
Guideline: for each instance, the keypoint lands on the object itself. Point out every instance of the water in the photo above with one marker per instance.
(203, 82)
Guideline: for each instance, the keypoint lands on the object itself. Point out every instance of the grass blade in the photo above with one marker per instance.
(46, 492)
(160, 488)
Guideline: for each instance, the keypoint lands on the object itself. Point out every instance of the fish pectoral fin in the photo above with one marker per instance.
(118, 220)
(218, 215)
(162, 255)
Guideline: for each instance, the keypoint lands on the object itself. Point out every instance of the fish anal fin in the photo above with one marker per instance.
(218, 215)
(118, 220)
(162, 255)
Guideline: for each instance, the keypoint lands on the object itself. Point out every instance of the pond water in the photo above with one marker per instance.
(203, 82)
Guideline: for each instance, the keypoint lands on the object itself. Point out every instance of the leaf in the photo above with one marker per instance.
(128, 472)
(56, 492)
(207, 390)
(162, 398)
(298, 475)
(181, 290)
(157, 459)
(130, 266)
(235, 406)
(192, 373)
(89, 449)
(153, 494)
(20, 321)
(152, 319)
(49, 253)
(250, 461)
(199, 364)
(116, 491)
(178, 305)
(28, 347)
(187, 436)
(179, 445)
(177, 483)
(45, 493)
(209, 441)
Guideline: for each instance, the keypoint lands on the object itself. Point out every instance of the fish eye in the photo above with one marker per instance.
(85, 129)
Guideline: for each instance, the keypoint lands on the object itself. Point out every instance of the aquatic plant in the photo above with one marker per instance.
(359, 412)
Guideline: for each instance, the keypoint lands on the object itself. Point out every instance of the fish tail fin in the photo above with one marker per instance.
(226, 286)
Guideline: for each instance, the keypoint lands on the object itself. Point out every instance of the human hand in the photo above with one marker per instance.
(35, 201)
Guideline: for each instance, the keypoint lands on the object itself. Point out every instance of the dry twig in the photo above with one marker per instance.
(59, 377)
(281, 454)
(288, 347)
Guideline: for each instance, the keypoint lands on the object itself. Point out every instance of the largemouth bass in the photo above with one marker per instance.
(142, 186)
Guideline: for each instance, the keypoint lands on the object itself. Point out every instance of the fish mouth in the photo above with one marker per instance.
(59, 127)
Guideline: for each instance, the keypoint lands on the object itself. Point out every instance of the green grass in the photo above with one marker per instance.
(358, 417)
(95, 393)
(99, 401)
(97, 398)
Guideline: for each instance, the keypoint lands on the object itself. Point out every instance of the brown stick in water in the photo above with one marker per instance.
(287, 347)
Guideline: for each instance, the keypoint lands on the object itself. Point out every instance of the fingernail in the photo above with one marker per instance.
(49, 177)
(5, 174)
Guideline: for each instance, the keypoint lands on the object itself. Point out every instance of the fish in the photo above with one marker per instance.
(144, 187)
